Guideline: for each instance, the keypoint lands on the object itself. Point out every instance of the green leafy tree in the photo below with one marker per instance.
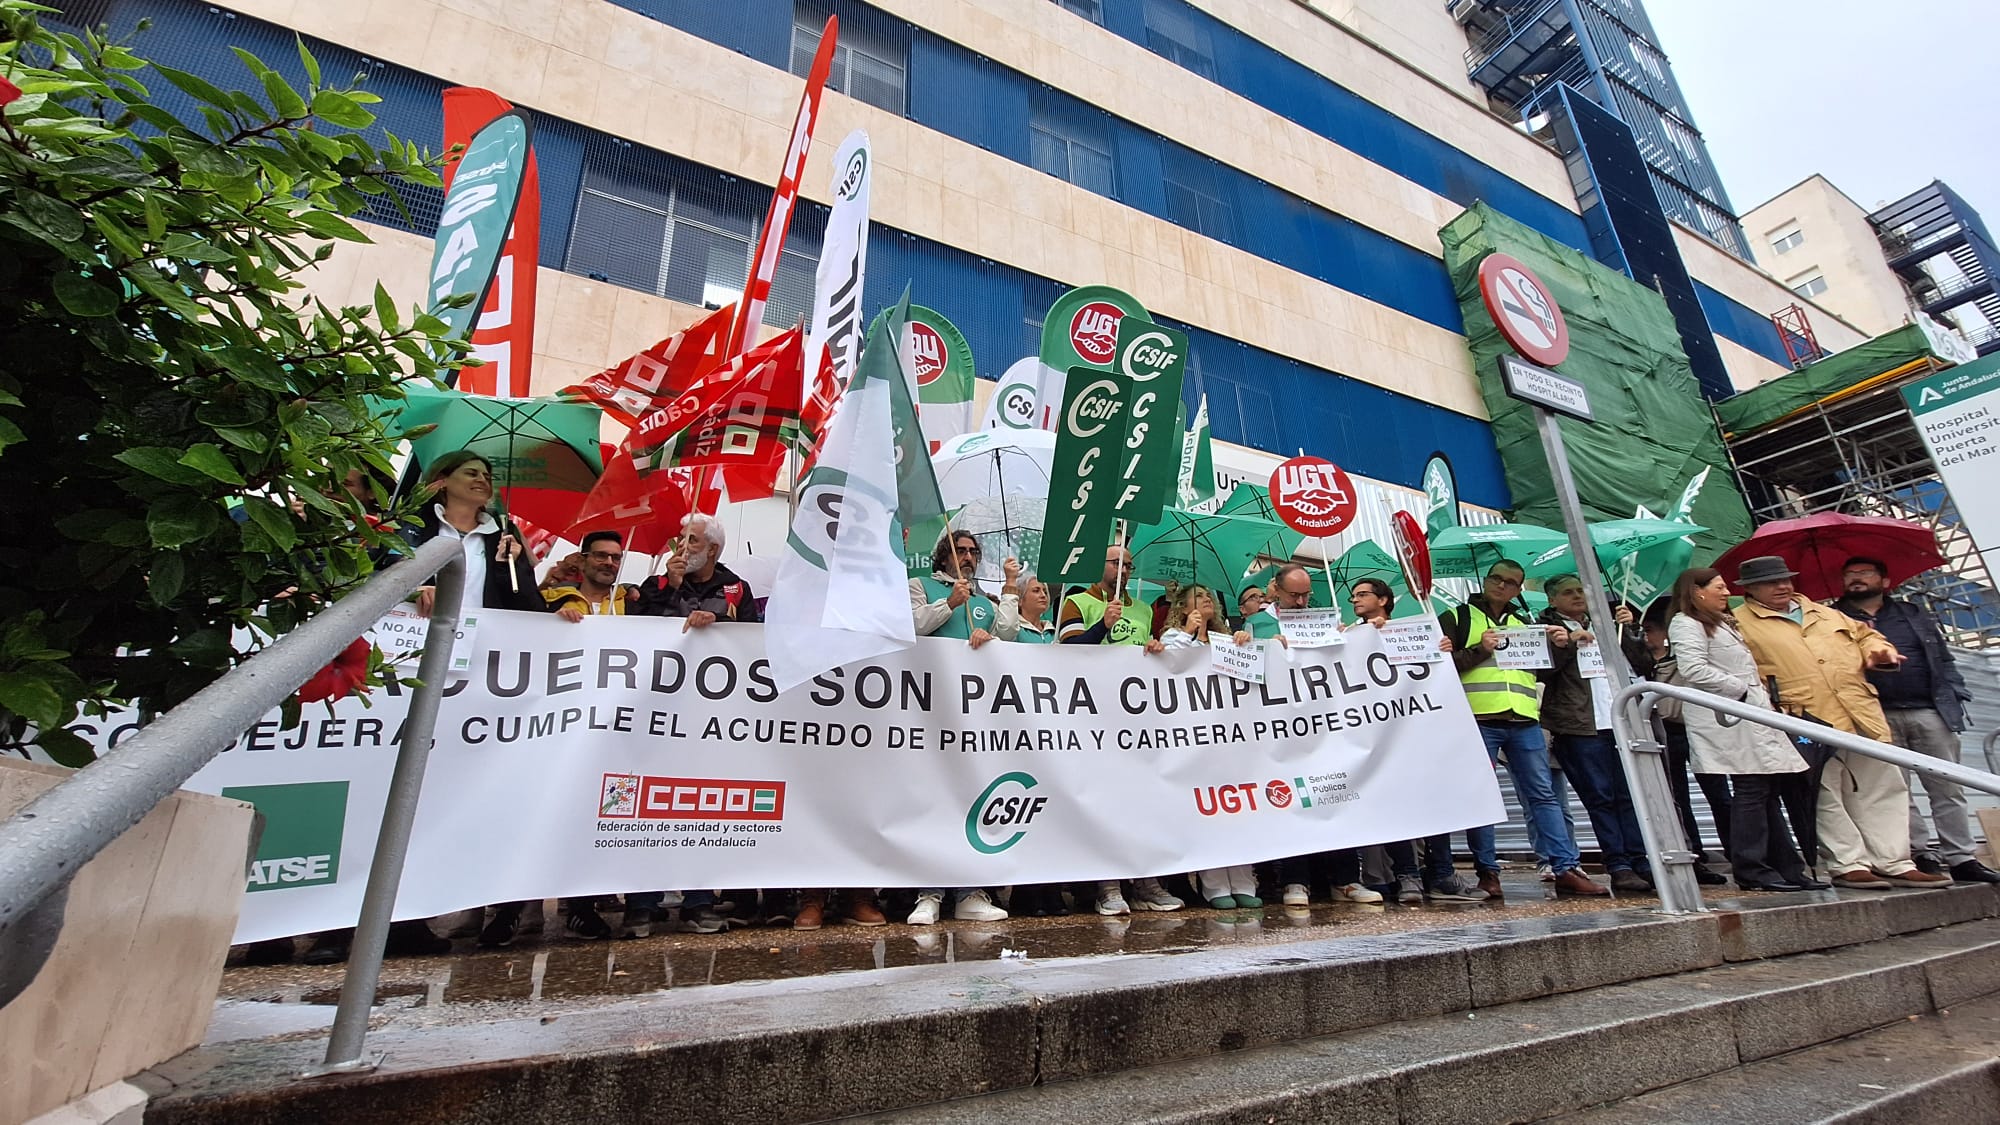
(176, 419)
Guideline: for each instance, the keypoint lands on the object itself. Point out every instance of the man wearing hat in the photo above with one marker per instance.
(1818, 658)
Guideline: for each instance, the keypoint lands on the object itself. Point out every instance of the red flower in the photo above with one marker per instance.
(341, 678)
(8, 91)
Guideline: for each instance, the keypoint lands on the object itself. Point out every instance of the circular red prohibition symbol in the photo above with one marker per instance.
(1523, 310)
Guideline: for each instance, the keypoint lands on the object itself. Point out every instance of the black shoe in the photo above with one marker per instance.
(637, 923)
(1770, 885)
(1707, 878)
(412, 937)
(1808, 883)
(1973, 871)
(499, 933)
(1928, 863)
(1631, 882)
(276, 951)
(329, 948)
(587, 924)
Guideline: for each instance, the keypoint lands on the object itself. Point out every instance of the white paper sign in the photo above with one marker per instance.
(400, 634)
(1242, 662)
(1524, 649)
(1311, 628)
(1414, 641)
(1590, 661)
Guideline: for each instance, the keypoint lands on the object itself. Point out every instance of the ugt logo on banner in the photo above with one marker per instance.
(1094, 331)
(1313, 496)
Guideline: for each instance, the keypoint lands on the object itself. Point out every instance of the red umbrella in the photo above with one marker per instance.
(1818, 546)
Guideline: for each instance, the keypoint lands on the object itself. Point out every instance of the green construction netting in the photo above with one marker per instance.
(1762, 405)
(1653, 431)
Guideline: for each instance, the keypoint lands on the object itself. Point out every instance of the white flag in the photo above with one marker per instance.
(842, 592)
(837, 316)
(1012, 406)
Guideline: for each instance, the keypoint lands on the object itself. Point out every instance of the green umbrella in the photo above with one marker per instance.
(1254, 500)
(544, 453)
(1367, 559)
(1468, 551)
(1215, 551)
(1614, 540)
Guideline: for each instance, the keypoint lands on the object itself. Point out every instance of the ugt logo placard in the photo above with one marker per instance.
(303, 824)
(1002, 813)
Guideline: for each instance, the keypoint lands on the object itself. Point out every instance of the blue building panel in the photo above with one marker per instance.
(969, 97)
(1739, 323)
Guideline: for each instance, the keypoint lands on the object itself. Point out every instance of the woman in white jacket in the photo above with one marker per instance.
(1710, 656)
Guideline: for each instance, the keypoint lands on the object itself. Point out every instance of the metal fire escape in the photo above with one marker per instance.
(1520, 51)
(1940, 249)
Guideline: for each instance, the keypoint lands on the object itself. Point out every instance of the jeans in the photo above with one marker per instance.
(1591, 764)
(1528, 765)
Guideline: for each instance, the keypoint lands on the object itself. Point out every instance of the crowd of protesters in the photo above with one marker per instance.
(1787, 811)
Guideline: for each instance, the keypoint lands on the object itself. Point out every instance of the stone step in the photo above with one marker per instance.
(815, 1048)
(1533, 1059)
(1936, 1068)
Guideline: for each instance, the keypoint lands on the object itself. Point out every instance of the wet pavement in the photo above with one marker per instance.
(553, 974)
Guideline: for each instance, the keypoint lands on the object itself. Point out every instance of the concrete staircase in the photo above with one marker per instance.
(1774, 1009)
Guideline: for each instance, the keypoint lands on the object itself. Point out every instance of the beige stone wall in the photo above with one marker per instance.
(591, 62)
(1735, 278)
(1839, 245)
(1422, 34)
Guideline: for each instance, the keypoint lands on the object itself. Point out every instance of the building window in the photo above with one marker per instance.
(1071, 142)
(647, 228)
(1092, 10)
(1196, 195)
(1787, 240)
(1810, 287)
(870, 62)
(1173, 33)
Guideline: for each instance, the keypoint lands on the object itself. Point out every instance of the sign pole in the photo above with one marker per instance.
(1643, 758)
(1531, 323)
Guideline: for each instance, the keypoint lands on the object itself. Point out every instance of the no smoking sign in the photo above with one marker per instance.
(1523, 309)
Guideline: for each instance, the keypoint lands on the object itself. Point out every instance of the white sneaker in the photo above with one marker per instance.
(974, 907)
(1297, 895)
(1547, 873)
(926, 913)
(1111, 902)
(1355, 892)
(1148, 894)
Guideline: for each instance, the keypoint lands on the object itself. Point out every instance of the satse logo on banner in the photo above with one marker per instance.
(1002, 813)
(303, 825)
(1094, 331)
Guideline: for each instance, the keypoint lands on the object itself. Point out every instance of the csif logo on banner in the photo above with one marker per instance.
(1003, 812)
(854, 175)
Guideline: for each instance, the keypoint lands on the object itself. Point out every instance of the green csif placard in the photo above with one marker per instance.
(1083, 477)
(478, 212)
(1154, 359)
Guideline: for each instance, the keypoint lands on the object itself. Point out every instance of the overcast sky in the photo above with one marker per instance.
(1881, 98)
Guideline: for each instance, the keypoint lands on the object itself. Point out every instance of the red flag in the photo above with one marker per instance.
(734, 420)
(816, 413)
(650, 379)
(652, 521)
(504, 335)
(751, 316)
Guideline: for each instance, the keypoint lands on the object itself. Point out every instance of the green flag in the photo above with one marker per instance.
(1196, 479)
(941, 360)
(1441, 495)
(918, 504)
(1079, 330)
(1644, 577)
(1083, 477)
(1154, 358)
(477, 213)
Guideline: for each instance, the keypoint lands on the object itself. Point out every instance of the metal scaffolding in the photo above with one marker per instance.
(1861, 455)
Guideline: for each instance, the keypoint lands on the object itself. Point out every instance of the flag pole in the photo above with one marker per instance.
(1332, 590)
(1119, 595)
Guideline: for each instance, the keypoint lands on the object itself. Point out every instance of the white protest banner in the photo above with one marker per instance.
(1250, 663)
(1524, 649)
(1412, 641)
(466, 644)
(621, 753)
(1311, 628)
(1590, 661)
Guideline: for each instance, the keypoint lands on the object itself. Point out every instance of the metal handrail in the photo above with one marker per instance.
(1992, 740)
(43, 845)
(1647, 695)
